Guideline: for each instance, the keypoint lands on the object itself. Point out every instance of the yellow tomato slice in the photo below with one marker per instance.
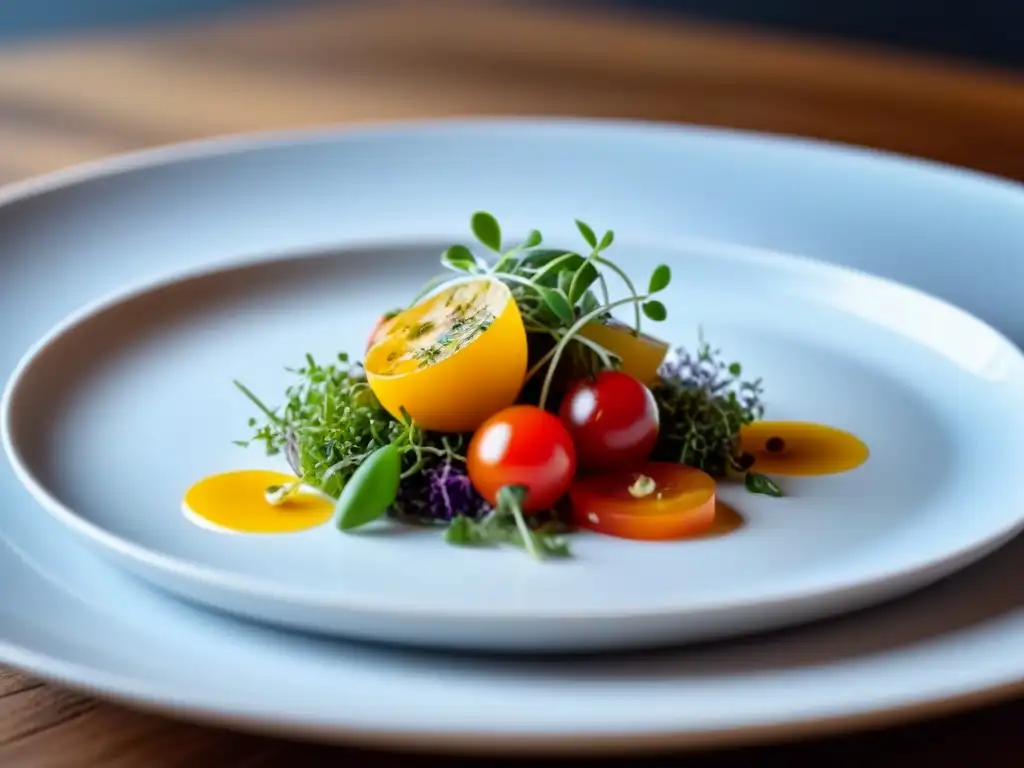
(452, 360)
(641, 355)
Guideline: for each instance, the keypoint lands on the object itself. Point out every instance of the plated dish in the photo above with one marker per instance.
(163, 223)
(507, 404)
(831, 347)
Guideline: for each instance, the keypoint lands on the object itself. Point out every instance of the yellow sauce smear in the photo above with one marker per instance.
(237, 501)
(801, 448)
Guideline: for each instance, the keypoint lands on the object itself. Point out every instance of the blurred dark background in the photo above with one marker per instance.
(985, 31)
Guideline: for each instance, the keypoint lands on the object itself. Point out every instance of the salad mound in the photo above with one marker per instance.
(507, 405)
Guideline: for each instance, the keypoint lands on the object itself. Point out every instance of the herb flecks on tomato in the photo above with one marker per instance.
(453, 359)
(612, 419)
(658, 502)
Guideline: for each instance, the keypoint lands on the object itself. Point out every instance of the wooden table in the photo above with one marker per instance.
(74, 100)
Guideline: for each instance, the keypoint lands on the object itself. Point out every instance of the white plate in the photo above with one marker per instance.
(117, 411)
(954, 645)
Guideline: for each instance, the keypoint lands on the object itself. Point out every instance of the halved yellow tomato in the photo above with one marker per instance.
(661, 501)
(641, 355)
(452, 360)
(380, 330)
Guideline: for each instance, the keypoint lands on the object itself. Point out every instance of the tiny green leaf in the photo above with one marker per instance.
(660, 278)
(590, 303)
(533, 239)
(542, 256)
(487, 231)
(606, 241)
(565, 281)
(558, 303)
(371, 489)
(506, 266)
(761, 484)
(588, 234)
(459, 258)
(550, 274)
(463, 532)
(655, 310)
(584, 277)
(735, 369)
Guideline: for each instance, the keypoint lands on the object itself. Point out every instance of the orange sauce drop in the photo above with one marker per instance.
(236, 501)
(799, 448)
(727, 521)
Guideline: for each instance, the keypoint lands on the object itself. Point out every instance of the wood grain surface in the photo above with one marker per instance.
(73, 100)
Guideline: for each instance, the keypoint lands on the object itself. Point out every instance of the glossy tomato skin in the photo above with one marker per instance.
(612, 419)
(522, 446)
(682, 503)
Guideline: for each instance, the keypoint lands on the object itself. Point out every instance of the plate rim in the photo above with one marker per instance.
(166, 565)
(128, 690)
(140, 556)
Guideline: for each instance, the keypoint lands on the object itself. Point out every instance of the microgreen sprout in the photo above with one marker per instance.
(554, 288)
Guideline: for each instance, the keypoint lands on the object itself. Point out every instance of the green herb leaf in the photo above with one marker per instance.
(507, 266)
(559, 304)
(565, 282)
(588, 234)
(655, 310)
(542, 257)
(510, 501)
(735, 369)
(533, 239)
(582, 279)
(372, 488)
(761, 484)
(459, 258)
(464, 532)
(590, 303)
(487, 231)
(606, 241)
(660, 278)
(551, 273)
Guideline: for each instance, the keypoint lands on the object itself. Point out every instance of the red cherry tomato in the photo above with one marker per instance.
(613, 421)
(522, 446)
(660, 501)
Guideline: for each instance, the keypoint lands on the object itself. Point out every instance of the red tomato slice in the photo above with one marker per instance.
(680, 502)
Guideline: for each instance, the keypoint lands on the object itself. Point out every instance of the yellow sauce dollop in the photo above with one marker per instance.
(237, 501)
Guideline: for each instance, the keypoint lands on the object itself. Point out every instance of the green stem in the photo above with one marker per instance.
(540, 364)
(520, 280)
(510, 498)
(259, 404)
(576, 276)
(601, 352)
(629, 285)
(577, 326)
(432, 284)
(552, 264)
